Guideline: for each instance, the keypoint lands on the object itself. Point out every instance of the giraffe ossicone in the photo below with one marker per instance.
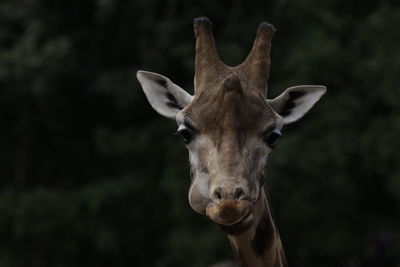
(229, 127)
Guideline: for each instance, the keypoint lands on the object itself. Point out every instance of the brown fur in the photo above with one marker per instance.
(229, 211)
(236, 112)
(264, 235)
(228, 110)
(229, 128)
(240, 258)
(260, 244)
(210, 71)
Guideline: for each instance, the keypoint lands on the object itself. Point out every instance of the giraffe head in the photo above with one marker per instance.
(229, 126)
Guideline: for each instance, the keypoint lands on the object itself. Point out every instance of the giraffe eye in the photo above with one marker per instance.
(186, 135)
(271, 138)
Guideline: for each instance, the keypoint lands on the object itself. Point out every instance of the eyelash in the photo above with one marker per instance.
(186, 135)
(271, 138)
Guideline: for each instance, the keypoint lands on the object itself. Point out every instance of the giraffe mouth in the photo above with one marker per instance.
(229, 212)
(248, 218)
(232, 217)
(239, 227)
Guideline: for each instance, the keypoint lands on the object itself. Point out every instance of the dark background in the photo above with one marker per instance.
(92, 176)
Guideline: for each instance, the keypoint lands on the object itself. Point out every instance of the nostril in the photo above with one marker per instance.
(218, 193)
(233, 194)
(238, 192)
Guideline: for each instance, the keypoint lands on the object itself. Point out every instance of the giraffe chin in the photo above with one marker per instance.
(233, 217)
(238, 228)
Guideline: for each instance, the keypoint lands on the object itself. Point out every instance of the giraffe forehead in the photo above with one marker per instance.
(229, 112)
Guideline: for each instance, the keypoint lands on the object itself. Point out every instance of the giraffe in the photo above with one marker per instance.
(229, 127)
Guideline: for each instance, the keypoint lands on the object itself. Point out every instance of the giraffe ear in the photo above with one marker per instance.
(163, 95)
(295, 101)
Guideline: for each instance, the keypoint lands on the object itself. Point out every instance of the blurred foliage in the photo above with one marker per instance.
(91, 176)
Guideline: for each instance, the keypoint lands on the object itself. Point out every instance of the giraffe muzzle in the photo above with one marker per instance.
(230, 212)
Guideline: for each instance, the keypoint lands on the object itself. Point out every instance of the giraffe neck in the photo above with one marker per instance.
(260, 245)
